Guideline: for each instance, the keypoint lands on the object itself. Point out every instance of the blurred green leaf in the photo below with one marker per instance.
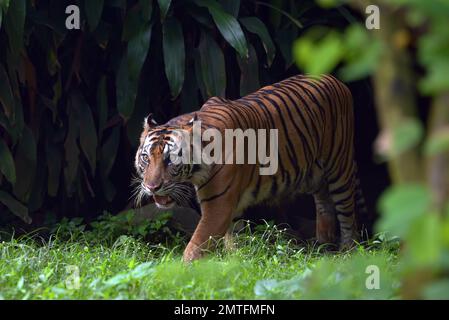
(228, 26)
(255, 25)
(164, 6)
(212, 64)
(407, 135)
(424, 240)
(436, 79)
(7, 166)
(362, 53)
(174, 55)
(328, 4)
(437, 290)
(15, 207)
(93, 10)
(401, 206)
(318, 57)
(433, 50)
(6, 97)
(437, 143)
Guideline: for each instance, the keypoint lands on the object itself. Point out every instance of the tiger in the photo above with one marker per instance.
(313, 116)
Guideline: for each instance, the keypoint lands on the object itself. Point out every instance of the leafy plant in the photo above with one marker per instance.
(72, 101)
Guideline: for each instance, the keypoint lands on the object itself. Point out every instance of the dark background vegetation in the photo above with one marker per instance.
(73, 101)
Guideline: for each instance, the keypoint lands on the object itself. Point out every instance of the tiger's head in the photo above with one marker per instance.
(161, 172)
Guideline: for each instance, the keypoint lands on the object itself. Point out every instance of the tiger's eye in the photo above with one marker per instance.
(144, 157)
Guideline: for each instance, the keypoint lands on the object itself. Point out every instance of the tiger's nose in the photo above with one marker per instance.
(154, 187)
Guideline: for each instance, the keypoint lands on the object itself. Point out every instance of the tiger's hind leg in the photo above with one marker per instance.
(343, 193)
(325, 216)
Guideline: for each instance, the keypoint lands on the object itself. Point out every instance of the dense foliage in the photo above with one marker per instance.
(72, 101)
(413, 137)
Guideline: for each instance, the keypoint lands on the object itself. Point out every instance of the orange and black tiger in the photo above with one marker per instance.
(314, 121)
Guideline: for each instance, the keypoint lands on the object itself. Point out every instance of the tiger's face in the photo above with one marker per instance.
(162, 173)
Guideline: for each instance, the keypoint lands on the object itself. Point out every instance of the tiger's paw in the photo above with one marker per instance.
(347, 245)
(192, 252)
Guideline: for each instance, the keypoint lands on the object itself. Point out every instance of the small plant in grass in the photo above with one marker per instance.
(109, 228)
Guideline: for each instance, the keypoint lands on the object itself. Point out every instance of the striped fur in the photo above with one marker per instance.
(314, 118)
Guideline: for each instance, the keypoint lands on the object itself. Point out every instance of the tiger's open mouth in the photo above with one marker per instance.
(163, 202)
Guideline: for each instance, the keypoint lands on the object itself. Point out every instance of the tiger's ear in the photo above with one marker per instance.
(194, 118)
(149, 122)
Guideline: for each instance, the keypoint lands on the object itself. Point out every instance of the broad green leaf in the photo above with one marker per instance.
(7, 166)
(93, 10)
(289, 16)
(437, 143)
(228, 26)
(255, 25)
(129, 71)
(212, 64)
(318, 57)
(249, 73)
(125, 101)
(147, 9)
(135, 21)
(14, 24)
(137, 51)
(15, 207)
(231, 6)
(25, 162)
(401, 206)
(174, 55)
(164, 6)
(1, 17)
(6, 96)
(88, 133)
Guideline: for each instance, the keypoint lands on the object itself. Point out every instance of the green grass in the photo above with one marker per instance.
(261, 265)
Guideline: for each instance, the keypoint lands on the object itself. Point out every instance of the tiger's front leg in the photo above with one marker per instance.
(216, 218)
